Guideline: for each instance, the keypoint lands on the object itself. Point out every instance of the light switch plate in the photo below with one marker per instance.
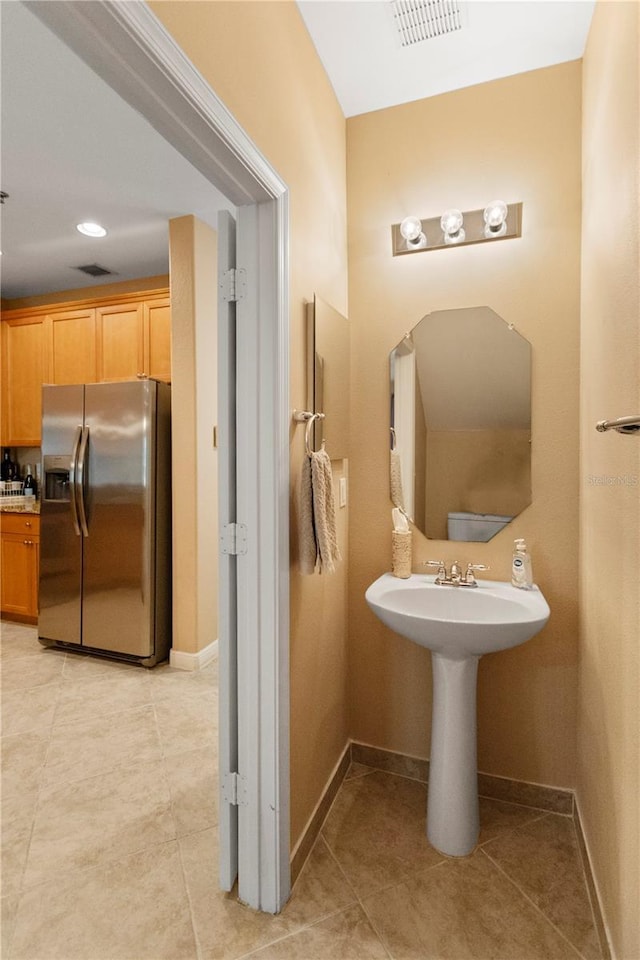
(343, 491)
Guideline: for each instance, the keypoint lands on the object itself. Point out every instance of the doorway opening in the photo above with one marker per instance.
(127, 47)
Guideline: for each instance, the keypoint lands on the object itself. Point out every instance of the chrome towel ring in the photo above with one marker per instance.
(308, 417)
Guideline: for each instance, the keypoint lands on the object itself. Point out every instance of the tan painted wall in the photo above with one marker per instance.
(516, 139)
(260, 61)
(89, 293)
(609, 706)
(192, 250)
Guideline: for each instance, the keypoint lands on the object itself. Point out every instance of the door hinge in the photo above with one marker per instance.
(233, 284)
(234, 790)
(233, 539)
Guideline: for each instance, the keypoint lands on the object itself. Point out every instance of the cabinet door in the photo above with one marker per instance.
(73, 346)
(157, 325)
(23, 373)
(120, 341)
(19, 574)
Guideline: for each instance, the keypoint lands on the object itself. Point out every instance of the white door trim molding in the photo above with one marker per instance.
(128, 47)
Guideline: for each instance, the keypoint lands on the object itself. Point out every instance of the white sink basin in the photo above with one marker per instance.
(458, 625)
(458, 621)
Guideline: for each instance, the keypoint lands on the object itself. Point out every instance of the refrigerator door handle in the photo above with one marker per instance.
(80, 481)
(73, 469)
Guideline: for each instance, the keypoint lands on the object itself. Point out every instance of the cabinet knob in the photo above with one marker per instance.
(27, 523)
(28, 543)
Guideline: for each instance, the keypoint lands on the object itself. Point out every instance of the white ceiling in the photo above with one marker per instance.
(360, 47)
(73, 150)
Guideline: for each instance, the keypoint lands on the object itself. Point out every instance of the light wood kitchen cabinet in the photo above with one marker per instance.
(134, 340)
(157, 327)
(114, 338)
(73, 347)
(20, 557)
(24, 370)
(120, 340)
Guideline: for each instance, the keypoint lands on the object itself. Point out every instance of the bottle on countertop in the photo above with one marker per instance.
(30, 486)
(7, 468)
(521, 567)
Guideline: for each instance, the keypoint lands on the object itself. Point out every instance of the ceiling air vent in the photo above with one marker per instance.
(93, 270)
(419, 20)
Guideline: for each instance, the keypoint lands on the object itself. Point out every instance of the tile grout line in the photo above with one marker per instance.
(505, 833)
(58, 784)
(333, 855)
(163, 757)
(194, 930)
(302, 929)
(533, 903)
(391, 886)
(21, 887)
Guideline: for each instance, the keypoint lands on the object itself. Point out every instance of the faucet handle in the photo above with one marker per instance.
(440, 564)
(469, 577)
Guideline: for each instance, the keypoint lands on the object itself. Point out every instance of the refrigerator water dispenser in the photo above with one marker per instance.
(56, 478)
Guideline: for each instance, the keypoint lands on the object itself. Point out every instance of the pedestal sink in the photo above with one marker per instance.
(458, 625)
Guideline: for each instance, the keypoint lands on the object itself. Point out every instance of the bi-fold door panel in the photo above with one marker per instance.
(227, 562)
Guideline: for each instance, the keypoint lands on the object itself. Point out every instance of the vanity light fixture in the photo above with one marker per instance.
(497, 221)
(91, 229)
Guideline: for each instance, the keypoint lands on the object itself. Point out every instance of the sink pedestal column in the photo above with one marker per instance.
(453, 820)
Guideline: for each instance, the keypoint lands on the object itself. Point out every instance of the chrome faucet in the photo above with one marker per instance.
(455, 577)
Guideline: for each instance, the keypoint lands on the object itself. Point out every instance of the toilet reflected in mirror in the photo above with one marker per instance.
(460, 438)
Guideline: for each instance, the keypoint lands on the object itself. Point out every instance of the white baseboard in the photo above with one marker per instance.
(182, 660)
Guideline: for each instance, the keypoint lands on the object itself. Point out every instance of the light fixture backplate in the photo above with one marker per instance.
(473, 226)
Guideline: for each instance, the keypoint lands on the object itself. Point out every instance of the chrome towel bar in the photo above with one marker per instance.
(621, 424)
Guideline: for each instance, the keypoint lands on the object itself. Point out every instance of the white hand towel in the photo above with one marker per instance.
(318, 540)
(324, 512)
(306, 534)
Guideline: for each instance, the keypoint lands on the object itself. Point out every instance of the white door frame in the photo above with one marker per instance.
(128, 47)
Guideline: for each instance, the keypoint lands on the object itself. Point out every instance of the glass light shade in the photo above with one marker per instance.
(411, 230)
(451, 223)
(91, 229)
(495, 214)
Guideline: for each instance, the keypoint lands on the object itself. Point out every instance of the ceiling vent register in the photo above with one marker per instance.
(94, 270)
(419, 20)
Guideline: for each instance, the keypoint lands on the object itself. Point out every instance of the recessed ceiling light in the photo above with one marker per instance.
(91, 229)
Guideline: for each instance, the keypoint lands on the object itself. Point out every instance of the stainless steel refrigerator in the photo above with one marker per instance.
(105, 523)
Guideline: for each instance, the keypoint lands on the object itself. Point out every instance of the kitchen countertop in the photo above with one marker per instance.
(18, 508)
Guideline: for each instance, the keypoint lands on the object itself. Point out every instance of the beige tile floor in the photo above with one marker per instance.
(109, 841)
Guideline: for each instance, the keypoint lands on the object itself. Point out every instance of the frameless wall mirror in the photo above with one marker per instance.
(460, 462)
(328, 377)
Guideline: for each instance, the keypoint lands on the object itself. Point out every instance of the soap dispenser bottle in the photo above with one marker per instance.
(521, 569)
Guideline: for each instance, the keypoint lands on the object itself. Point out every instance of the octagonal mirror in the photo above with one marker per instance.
(460, 460)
